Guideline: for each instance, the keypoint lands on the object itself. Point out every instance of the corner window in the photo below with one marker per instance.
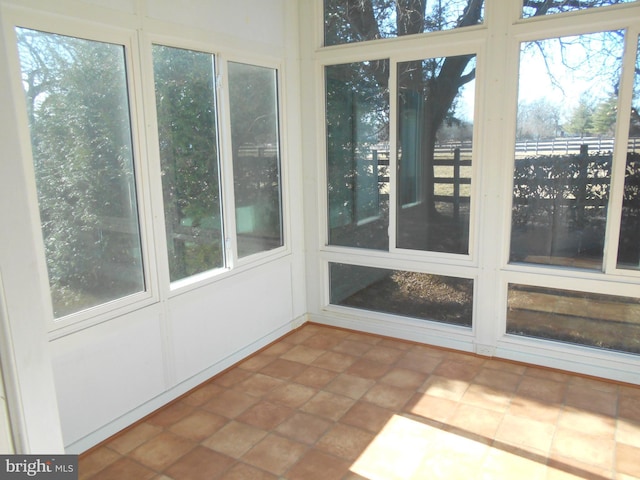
(78, 110)
(187, 132)
(253, 103)
(564, 149)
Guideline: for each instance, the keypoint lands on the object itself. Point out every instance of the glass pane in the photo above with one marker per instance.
(185, 105)
(435, 133)
(77, 102)
(253, 101)
(357, 119)
(534, 8)
(411, 294)
(346, 21)
(592, 319)
(629, 244)
(564, 142)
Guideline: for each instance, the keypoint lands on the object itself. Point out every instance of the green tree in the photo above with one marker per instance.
(580, 121)
(604, 117)
(81, 142)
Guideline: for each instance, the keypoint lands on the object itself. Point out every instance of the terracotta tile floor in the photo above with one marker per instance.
(325, 404)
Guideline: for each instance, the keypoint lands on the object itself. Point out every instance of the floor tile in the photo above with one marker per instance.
(369, 369)
(265, 415)
(230, 403)
(587, 398)
(345, 441)
(455, 370)
(628, 460)
(205, 392)
(162, 450)
(367, 416)
(124, 468)
(304, 427)
(259, 384)
(283, 369)
(388, 396)
(590, 449)
(198, 425)
(275, 454)
(525, 433)
(201, 463)
(303, 354)
(291, 395)
(334, 361)
(350, 385)
(543, 389)
(315, 377)
(328, 405)
(235, 439)
(242, 471)
(432, 408)
(316, 465)
(325, 403)
(96, 460)
(170, 414)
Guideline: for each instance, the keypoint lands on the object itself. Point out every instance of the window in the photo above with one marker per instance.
(357, 118)
(253, 102)
(565, 139)
(629, 241)
(347, 21)
(78, 110)
(534, 8)
(187, 132)
(412, 294)
(592, 319)
(435, 134)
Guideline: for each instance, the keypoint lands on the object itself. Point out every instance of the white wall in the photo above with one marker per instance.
(115, 371)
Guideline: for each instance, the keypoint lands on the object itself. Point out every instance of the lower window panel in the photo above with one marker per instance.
(596, 320)
(411, 294)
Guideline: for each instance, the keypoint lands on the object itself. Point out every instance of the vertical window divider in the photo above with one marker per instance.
(393, 153)
(142, 170)
(226, 163)
(619, 162)
(153, 166)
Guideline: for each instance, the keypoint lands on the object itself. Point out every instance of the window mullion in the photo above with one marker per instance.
(393, 155)
(618, 168)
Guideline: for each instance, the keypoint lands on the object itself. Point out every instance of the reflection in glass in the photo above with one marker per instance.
(534, 8)
(411, 294)
(596, 320)
(186, 110)
(435, 133)
(629, 243)
(253, 103)
(564, 143)
(348, 21)
(78, 110)
(357, 117)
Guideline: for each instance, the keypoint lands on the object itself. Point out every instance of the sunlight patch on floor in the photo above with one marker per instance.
(407, 449)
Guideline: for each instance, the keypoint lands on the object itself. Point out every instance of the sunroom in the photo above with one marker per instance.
(184, 183)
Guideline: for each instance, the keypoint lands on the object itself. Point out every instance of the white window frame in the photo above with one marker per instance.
(127, 38)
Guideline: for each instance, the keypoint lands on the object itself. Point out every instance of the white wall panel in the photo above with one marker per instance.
(260, 21)
(107, 370)
(209, 324)
(125, 6)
